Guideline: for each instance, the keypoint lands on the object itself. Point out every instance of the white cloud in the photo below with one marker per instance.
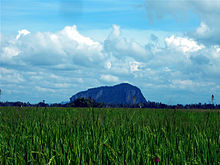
(182, 83)
(218, 50)
(120, 47)
(134, 66)
(109, 78)
(41, 89)
(72, 33)
(10, 76)
(184, 44)
(108, 65)
(203, 29)
(53, 76)
(66, 62)
(207, 11)
(23, 32)
(116, 31)
(166, 69)
(9, 52)
(44, 48)
(62, 85)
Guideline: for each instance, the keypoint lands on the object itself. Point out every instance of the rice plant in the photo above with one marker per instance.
(108, 136)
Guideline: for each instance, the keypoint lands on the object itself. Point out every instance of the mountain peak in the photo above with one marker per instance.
(123, 93)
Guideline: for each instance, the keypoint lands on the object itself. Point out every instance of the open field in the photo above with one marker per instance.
(108, 136)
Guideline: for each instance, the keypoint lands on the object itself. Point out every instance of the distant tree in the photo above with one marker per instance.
(42, 104)
(140, 105)
(212, 99)
(80, 102)
(83, 102)
(18, 104)
(28, 104)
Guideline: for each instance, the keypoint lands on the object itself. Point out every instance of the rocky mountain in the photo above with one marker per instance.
(119, 94)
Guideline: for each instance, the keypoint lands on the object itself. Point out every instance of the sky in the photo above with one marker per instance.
(52, 49)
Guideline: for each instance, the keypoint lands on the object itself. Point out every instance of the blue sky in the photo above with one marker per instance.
(87, 14)
(52, 49)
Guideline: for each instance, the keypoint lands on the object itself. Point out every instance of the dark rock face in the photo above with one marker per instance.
(119, 94)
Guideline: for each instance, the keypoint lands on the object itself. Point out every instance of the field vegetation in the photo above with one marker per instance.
(31, 135)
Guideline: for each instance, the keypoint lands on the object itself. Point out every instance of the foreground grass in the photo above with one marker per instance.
(108, 136)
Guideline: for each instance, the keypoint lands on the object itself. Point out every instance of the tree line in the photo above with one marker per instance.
(89, 102)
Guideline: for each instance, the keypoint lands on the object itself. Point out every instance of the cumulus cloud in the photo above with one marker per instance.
(121, 47)
(207, 33)
(57, 65)
(9, 52)
(71, 33)
(202, 30)
(184, 44)
(208, 12)
(44, 48)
